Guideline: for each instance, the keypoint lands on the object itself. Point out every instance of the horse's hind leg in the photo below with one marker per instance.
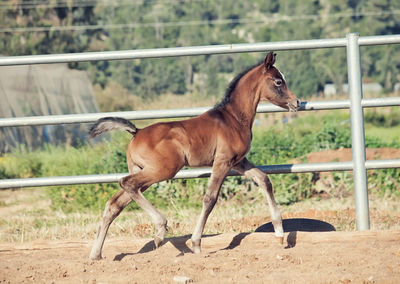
(134, 185)
(160, 222)
(259, 177)
(113, 207)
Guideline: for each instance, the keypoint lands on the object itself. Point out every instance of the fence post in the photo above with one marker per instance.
(357, 132)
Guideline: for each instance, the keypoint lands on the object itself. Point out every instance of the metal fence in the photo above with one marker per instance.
(352, 43)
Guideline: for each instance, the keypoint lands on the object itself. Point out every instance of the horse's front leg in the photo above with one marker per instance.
(219, 172)
(259, 177)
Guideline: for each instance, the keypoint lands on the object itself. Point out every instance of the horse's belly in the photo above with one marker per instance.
(199, 159)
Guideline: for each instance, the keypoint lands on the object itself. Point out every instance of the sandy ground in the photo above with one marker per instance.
(305, 257)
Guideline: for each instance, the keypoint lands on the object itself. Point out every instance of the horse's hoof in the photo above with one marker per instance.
(95, 257)
(196, 246)
(196, 250)
(158, 242)
(159, 236)
(280, 240)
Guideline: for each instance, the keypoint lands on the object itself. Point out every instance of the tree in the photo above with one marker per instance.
(190, 23)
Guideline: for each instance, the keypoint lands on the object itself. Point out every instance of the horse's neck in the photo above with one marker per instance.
(244, 100)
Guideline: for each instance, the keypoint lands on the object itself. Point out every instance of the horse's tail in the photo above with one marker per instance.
(112, 123)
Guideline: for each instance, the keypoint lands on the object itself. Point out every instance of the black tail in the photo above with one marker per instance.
(112, 123)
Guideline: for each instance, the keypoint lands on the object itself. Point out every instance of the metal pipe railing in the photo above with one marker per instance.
(357, 131)
(179, 113)
(196, 173)
(193, 50)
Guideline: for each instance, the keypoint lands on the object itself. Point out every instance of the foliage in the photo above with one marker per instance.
(186, 23)
(383, 120)
(274, 146)
(154, 24)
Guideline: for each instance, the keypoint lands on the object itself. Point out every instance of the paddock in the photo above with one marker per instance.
(344, 257)
(356, 103)
(305, 257)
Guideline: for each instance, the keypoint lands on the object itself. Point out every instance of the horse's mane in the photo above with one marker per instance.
(232, 85)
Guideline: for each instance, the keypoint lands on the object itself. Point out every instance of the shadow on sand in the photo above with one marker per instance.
(178, 242)
(289, 225)
(298, 225)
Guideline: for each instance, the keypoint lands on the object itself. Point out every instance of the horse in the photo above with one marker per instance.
(219, 138)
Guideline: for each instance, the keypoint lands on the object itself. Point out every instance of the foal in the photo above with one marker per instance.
(219, 138)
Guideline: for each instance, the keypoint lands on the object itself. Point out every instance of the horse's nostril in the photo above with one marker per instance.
(298, 103)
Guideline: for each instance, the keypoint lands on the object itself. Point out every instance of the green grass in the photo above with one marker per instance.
(386, 134)
(383, 123)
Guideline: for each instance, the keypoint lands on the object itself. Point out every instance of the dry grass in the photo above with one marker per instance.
(116, 98)
(25, 216)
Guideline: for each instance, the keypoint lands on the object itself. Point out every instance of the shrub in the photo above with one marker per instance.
(383, 120)
(270, 146)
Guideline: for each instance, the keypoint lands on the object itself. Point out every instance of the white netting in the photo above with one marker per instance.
(43, 90)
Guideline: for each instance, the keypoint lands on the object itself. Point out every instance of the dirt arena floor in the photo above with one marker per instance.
(305, 257)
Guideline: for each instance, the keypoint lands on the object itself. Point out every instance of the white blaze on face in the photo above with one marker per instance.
(283, 76)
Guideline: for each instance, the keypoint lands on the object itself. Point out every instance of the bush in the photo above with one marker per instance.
(268, 147)
(385, 181)
(383, 120)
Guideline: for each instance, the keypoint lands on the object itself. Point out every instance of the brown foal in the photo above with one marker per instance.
(219, 138)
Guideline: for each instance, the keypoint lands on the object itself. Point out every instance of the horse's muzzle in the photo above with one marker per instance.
(294, 106)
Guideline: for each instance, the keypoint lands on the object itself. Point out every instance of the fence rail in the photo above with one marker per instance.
(197, 173)
(352, 43)
(194, 50)
(187, 112)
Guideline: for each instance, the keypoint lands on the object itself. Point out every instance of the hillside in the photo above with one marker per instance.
(78, 26)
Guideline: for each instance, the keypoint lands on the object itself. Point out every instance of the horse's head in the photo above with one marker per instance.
(273, 87)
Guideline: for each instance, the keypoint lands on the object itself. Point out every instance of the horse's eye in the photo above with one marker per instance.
(278, 82)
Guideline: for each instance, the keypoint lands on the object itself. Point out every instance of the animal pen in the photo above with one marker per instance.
(356, 103)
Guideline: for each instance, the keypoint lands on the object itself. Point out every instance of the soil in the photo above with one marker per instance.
(345, 154)
(305, 257)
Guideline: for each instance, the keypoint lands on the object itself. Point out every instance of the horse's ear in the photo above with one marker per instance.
(269, 60)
